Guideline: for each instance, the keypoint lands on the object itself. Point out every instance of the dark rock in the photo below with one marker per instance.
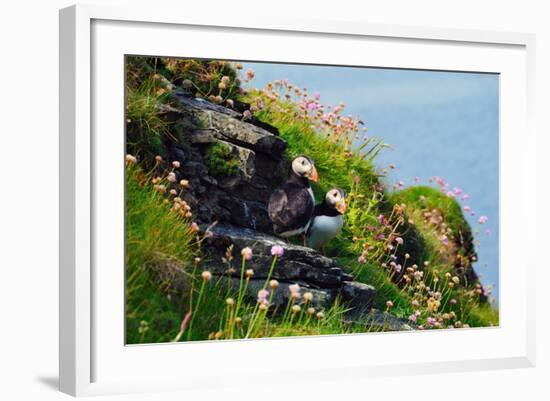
(177, 154)
(297, 263)
(358, 296)
(377, 320)
(202, 104)
(227, 124)
(249, 214)
(203, 136)
(193, 169)
(322, 298)
(321, 276)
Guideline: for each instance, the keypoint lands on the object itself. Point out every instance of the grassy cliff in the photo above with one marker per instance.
(414, 246)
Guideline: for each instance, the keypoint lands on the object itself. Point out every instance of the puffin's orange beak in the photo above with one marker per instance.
(341, 207)
(313, 176)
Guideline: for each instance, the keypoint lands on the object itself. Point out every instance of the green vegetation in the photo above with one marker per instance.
(405, 243)
(388, 240)
(154, 238)
(221, 160)
(164, 280)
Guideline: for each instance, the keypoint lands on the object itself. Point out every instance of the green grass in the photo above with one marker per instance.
(164, 279)
(420, 200)
(422, 197)
(153, 237)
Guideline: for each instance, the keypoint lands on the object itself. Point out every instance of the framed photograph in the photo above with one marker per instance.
(279, 198)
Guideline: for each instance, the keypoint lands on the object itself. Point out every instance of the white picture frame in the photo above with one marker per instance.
(92, 362)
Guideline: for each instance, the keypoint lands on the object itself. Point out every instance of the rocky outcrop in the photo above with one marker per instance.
(313, 272)
(258, 151)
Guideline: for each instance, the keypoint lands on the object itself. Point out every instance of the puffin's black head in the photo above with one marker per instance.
(336, 198)
(303, 166)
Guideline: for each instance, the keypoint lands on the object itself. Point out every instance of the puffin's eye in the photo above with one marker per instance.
(303, 162)
(335, 194)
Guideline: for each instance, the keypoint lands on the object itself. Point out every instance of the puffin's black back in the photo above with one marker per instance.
(322, 209)
(291, 207)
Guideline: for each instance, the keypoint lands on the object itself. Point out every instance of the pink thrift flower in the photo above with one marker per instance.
(399, 240)
(312, 106)
(262, 296)
(361, 259)
(487, 232)
(417, 179)
(246, 253)
(380, 218)
(294, 290)
(444, 239)
(467, 208)
(412, 318)
(457, 190)
(465, 197)
(277, 250)
(431, 321)
(482, 219)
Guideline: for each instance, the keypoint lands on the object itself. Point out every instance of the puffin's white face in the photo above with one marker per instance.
(304, 168)
(337, 198)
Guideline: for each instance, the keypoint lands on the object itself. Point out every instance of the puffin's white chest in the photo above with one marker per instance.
(311, 194)
(324, 229)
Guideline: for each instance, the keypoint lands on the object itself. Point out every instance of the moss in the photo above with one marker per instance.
(221, 161)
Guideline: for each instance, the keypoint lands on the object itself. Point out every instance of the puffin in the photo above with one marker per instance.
(290, 208)
(327, 219)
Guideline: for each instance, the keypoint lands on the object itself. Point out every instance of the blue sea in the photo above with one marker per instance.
(443, 124)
